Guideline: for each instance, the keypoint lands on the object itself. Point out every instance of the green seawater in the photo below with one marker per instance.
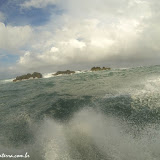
(105, 115)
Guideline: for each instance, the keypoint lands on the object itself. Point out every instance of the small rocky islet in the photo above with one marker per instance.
(28, 76)
(99, 68)
(72, 72)
(39, 75)
(64, 72)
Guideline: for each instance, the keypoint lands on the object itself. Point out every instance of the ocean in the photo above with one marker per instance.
(103, 115)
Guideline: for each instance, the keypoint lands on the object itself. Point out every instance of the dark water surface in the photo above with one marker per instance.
(106, 115)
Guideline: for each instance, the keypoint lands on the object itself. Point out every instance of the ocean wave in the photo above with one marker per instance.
(48, 75)
(6, 81)
(89, 135)
(93, 116)
(84, 71)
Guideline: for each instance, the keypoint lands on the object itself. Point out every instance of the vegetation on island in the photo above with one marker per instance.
(28, 76)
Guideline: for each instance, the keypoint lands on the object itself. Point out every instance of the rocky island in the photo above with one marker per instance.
(64, 72)
(99, 68)
(28, 76)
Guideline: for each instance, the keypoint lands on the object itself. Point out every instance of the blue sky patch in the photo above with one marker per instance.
(17, 16)
(8, 59)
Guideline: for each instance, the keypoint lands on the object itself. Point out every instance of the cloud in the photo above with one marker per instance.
(88, 41)
(14, 37)
(38, 3)
(87, 33)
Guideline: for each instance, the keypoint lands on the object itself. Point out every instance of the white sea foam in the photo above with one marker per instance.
(83, 71)
(6, 81)
(91, 135)
(48, 75)
(154, 80)
(123, 68)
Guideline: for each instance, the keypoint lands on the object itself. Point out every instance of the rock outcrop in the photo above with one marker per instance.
(28, 76)
(99, 68)
(64, 72)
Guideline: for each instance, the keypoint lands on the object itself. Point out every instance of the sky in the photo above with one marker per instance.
(51, 35)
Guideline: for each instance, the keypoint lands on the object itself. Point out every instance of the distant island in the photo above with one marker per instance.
(39, 75)
(71, 72)
(28, 76)
(64, 72)
(99, 68)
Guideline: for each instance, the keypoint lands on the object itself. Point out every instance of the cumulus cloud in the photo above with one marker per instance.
(14, 37)
(88, 41)
(90, 32)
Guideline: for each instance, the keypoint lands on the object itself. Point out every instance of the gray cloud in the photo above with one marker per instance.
(124, 31)
(14, 37)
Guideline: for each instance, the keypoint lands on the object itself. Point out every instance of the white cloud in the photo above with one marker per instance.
(89, 32)
(38, 3)
(54, 49)
(12, 37)
(23, 60)
(88, 41)
(73, 43)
